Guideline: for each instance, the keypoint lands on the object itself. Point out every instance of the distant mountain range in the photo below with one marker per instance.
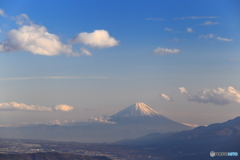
(202, 134)
(195, 144)
(132, 122)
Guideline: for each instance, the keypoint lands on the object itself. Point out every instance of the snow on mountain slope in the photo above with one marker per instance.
(136, 110)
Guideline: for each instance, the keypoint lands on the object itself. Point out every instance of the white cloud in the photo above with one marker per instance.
(190, 30)
(13, 106)
(165, 97)
(210, 23)
(196, 17)
(155, 19)
(167, 29)
(2, 13)
(163, 51)
(182, 90)
(219, 96)
(84, 51)
(98, 38)
(63, 107)
(191, 125)
(35, 39)
(224, 39)
(211, 35)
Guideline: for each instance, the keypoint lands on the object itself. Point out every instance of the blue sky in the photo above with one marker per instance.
(148, 48)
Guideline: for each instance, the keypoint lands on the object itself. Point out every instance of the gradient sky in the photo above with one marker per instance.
(111, 54)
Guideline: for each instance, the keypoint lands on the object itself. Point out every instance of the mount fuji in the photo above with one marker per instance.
(134, 121)
(143, 116)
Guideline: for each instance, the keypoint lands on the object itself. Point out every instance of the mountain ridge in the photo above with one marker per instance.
(217, 131)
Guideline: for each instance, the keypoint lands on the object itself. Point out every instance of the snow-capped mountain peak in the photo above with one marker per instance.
(136, 110)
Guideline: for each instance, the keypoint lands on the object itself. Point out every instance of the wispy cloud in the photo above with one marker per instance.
(23, 19)
(53, 77)
(189, 30)
(210, 23)
(224, 39)
(51, 122)
(191, 125)
(211, 35)
(175, 40)
(219, 96)
(98, 38)
(171, 30)
(155, 19)
(165, 97)
(168, 29)
(163, 51)
(54, 122)
(84, 51)
(14, 106)
(2, 13)
(100, 120)
(196, 17)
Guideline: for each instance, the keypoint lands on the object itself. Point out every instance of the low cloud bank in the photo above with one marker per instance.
(100, 120)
